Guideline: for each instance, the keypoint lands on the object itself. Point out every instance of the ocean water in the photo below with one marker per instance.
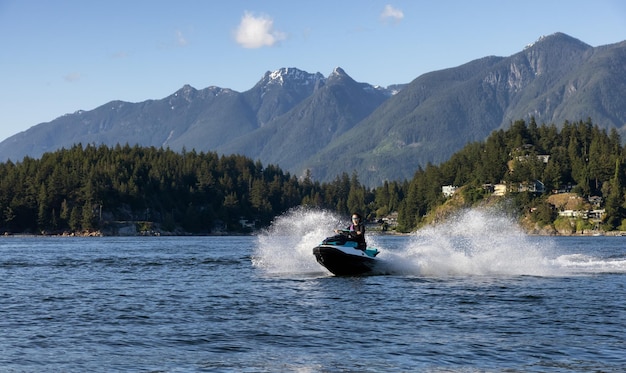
(473, 295)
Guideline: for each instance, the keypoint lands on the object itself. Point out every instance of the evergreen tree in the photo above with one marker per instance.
(614, 206)
(75, 219)
(88, 216)
(356, 196)
(43, 217)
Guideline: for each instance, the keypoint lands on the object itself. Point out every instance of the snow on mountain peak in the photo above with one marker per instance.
(530, 45)
(290, 75)
(338, 71)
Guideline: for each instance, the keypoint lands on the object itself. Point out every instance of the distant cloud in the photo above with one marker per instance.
(72, 77)
(257, 32)
(180, 39)
(391, 13)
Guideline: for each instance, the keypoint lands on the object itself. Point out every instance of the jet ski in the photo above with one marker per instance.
(342, 256)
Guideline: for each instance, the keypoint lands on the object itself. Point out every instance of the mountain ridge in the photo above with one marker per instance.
(449, 108)
(329, 125)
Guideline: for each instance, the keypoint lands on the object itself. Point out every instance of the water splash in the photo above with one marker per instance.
(588, 264)
(286, 246)
(474, 242)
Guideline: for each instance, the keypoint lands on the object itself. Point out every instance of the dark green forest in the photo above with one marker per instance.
(86, 188)
(91, 188)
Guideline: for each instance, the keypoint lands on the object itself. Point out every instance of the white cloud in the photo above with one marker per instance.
(180, 39)
(257, 32)
(391, 13)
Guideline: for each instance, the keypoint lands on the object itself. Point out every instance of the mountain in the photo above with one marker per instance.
(286, 117)
(279, 91)
(288, 139)
(557, 78)
(334, 124)
(173, 121)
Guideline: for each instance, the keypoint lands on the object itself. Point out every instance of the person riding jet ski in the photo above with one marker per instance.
(355, 231)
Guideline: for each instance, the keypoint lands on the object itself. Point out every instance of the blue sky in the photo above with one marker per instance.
(60, 56)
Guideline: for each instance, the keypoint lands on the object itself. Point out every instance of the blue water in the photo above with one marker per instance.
(463, 296)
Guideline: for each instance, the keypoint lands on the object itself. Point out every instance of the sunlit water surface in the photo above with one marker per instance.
(474, 294)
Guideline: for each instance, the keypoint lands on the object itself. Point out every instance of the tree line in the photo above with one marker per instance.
(83, 188)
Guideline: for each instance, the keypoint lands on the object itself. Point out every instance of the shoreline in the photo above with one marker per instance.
(231, 234)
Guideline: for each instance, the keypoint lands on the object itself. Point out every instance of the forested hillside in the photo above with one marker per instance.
(87, 189)
(581, 158)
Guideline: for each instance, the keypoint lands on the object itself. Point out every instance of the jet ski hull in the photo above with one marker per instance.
(344, 261)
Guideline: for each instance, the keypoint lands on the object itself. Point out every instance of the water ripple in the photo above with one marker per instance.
(201, 304)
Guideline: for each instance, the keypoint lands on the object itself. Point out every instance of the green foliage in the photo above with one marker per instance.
(580, 155)
(473, 195)
(83, 188)
(544, 214)
(583, 225)
(564, 225)
(614, 191)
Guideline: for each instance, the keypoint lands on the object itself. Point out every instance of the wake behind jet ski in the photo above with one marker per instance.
(342, 255)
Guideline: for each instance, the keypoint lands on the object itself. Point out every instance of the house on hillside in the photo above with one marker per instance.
(596, 201)
(531, 186)
(564, 189)
(543, 158)
(596, 215)
(448, 190)
(390, 220)
(499, 190)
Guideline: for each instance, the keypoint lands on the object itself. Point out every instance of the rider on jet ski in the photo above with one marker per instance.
(356, 231)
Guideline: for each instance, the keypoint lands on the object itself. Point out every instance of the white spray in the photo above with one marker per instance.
(287, 245)
(472, 243)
